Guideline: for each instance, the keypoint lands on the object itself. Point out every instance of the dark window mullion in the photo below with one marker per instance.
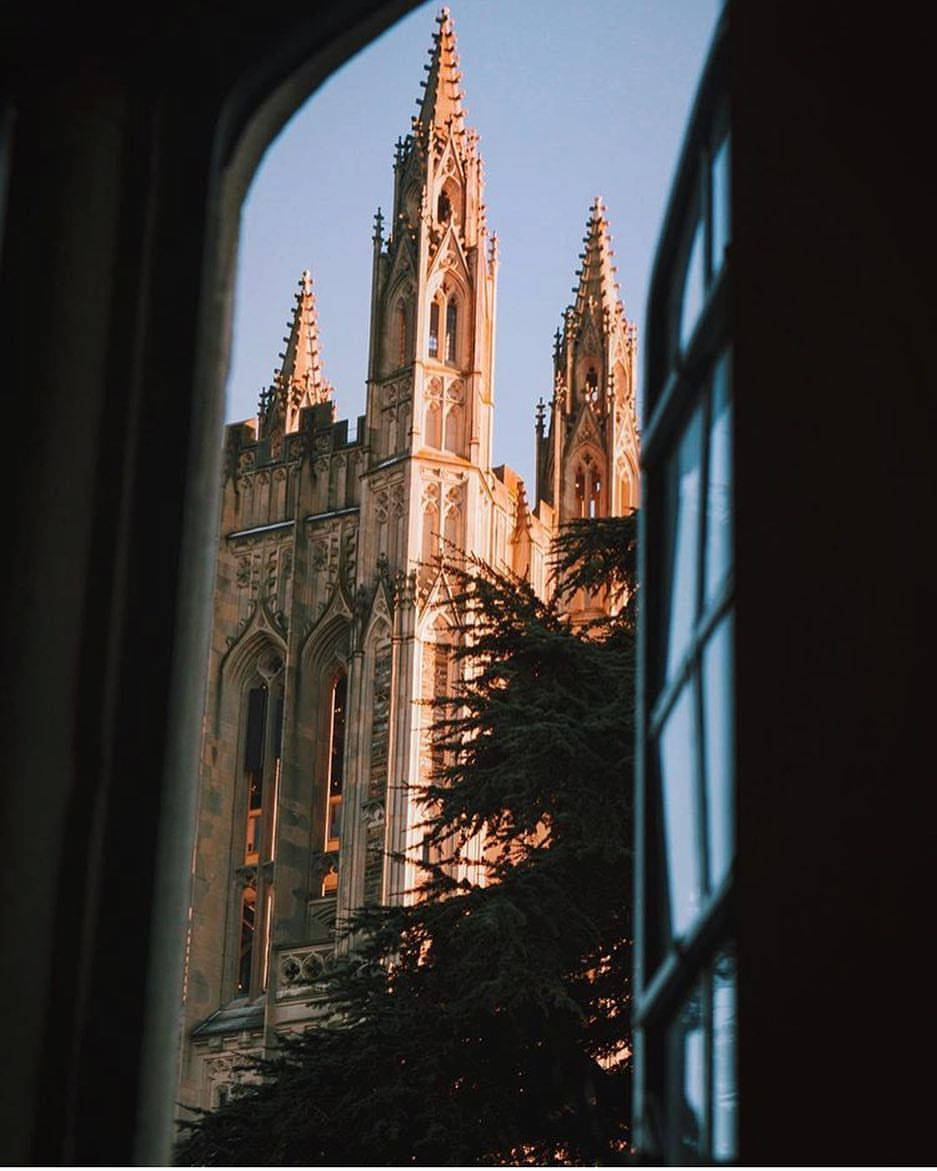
(699, 640)
(707, 1136)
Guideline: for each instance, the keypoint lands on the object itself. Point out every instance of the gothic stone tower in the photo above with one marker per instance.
(587, 462)
(330, 621)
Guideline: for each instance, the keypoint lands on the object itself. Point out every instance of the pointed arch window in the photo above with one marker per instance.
(400, 333)
(452, 326)
(260, 779)
(443, 208)
(248, 936)
(581, 491)
(595, 494)
(336, 761)
(434, 329)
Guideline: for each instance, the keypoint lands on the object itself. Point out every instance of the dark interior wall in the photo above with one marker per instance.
(836, 386)
(131, 146)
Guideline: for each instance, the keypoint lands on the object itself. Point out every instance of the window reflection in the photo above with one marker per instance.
(684, 493)
(719, 483)
(687, 1091)
(718, 736)
(724, 1088)
(681, 830)
(694, 288)
(721, 227)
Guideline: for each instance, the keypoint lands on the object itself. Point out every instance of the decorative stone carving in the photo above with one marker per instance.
(319, 555)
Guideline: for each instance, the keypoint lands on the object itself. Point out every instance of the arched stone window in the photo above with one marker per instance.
(248, 936)
(452, 329)
(434, 329)
(595, 493)
(581, 491)
(400, 333)
(335, 771)
(262, 723)
(443, 208)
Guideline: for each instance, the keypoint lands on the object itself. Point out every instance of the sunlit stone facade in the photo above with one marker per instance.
(330, 619)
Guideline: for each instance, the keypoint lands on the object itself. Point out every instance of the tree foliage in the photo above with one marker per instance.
(487, 1023)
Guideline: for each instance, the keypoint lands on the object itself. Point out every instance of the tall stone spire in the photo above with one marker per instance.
(433, 289)
(442, 103)
(588, 463)
(596, 277)
(299, 382)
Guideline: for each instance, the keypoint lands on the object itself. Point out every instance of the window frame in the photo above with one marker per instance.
(680, 379)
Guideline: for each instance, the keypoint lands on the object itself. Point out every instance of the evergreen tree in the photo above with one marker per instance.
(487, 1023)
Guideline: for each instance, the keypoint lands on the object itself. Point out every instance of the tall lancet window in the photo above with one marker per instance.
(263, 722)
(254, 768)
(400, 331)
(443, 208)
(248, 933)
(452, 324)
(595, 494)
(581, 491)
(335, 771)
(434, 329)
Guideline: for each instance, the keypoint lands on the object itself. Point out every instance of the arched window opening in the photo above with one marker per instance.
(452, 323)
(254, 768)
(581, 491)
(595, 495)
(336, 761)
(263, 732)
(248, 935)
(592, 385)
(400, 331)
(443, 208)
(434, 329)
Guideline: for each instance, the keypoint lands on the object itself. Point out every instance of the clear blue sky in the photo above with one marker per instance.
(569, 101)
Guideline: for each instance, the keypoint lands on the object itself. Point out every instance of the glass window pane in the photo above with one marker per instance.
(681, 823)
(694, 287)
(719, 755)
(686, 1088)
(721, 204)
(724, 1091)
(719, 483)
(681, 557)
